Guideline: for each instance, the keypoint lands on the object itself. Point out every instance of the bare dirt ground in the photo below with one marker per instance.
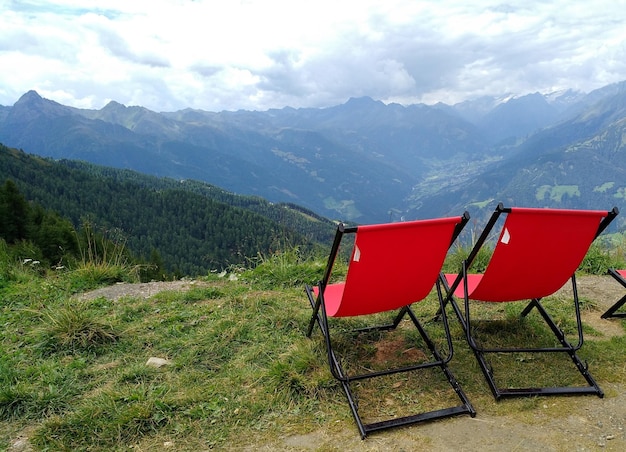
(585, 423)
(139, 290)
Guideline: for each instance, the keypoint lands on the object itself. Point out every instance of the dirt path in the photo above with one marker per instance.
(593, 425)
(139, 290)
(596, 424)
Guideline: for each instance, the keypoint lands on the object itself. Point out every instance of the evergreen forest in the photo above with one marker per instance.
(187, 227)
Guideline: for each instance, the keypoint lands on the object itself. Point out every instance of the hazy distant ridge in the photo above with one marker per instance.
(363, 160)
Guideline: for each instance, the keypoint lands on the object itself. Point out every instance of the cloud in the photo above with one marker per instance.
(259, 54)
(113, 42)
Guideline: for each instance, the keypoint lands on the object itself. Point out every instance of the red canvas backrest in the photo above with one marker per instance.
(537, 252)
(395, 264)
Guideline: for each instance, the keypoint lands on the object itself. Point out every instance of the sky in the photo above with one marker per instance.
(216, 55)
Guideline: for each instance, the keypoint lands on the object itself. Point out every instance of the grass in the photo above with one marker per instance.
(73, 374)
(72, 328)
(232, 348)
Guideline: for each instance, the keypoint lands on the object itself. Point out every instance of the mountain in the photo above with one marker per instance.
(511, 118)
(362, 161)
(356, 161)
(518, 117)
(576, 163)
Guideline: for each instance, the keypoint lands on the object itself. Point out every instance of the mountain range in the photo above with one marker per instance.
(362, 161)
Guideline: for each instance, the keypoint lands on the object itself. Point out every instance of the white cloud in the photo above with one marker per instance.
(259, 54)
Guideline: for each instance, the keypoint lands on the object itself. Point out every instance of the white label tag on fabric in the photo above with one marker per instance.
(505, 236)
(357, 254)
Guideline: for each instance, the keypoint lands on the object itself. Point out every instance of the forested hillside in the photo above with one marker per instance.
(194, 227)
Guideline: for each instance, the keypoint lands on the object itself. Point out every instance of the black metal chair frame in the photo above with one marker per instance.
(566, 347)
(612, 311)
(319, 316)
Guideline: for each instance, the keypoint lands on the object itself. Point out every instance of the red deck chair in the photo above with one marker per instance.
(538, 250)
(620, 277)
(392, 266)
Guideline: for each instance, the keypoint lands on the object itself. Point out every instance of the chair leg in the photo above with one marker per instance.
(444, 361)
(438, 361)
(339, 374)
(480, 352)
(611, 311)
(487, 371)
(315, 306)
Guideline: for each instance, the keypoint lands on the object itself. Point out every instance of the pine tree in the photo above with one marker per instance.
(14, 213)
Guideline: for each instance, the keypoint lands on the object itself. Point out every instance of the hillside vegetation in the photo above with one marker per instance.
(239, 371)
(191, 226)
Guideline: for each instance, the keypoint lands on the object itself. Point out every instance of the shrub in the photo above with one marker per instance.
(601, 257)
(285, 269)
(455, 258)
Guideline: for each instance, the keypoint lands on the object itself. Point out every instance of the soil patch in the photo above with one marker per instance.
(600, 292)
(140, 290)
(393, 351)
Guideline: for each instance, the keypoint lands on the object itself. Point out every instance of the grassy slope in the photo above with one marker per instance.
(73, 374)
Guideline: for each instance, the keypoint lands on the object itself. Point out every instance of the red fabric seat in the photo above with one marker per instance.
(392, 265)
(537, 252)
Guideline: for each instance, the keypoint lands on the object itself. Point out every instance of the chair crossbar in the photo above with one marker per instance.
(555, 391)
(416, 418)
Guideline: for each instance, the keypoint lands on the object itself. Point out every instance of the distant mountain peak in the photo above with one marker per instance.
(31, 105)
(364, 101)
(30, 96)
(113, 105)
